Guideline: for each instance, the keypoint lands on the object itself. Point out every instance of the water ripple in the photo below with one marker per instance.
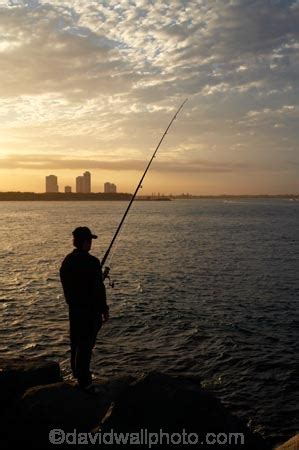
(206, 288)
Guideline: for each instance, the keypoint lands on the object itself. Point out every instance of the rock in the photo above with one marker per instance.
(291, 444)
(56, 406)
(161, 402)
(62, 406)
(152, 402)
(17, 375)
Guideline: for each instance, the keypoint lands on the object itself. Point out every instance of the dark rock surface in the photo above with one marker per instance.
(153, 401)
(291, 444)
(18, 375)
(59, 405)
(55, 406)
(158, 401)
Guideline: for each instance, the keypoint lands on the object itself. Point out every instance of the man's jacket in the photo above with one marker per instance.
(82, 281)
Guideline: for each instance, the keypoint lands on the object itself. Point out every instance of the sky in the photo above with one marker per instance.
(92, 85)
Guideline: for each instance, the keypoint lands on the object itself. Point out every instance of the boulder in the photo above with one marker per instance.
(151, 402)
(62, 406)
(158, 401)
(291, 444)
(18, 375)
(57, 406)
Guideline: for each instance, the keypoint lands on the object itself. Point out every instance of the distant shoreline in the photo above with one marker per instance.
(100, 196)
(60, 196)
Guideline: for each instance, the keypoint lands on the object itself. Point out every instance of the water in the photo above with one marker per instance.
(203, 287)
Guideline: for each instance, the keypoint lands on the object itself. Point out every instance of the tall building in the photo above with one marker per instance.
(109, 188)
(80, 185)
(52, 183)
(87, 182)
(83, 183)
(68, 189)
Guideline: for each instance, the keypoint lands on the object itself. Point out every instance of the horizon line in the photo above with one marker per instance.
(183, 194)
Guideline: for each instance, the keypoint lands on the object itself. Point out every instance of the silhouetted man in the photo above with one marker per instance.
(84, 291)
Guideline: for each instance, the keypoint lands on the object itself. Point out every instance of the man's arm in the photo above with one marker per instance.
(103, 295)
(105, 307)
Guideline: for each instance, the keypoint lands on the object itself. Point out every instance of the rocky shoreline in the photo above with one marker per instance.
(35, 400)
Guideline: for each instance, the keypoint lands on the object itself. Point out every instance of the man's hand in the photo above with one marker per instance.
(105, 316)
(106, 272)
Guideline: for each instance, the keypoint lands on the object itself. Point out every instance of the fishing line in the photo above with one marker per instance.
(139, 186)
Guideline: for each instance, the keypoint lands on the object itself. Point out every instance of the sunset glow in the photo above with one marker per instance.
(92, 86)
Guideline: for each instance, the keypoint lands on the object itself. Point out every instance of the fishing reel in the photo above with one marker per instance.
(106, 275)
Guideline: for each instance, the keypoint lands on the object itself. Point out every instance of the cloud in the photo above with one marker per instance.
(80, 76)
(147, 50)
(45, 51)
(55, 162)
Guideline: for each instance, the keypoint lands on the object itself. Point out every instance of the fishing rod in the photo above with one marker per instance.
(107, 269)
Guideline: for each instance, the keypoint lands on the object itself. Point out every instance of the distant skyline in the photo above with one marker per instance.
(82, 185)
(92, 86)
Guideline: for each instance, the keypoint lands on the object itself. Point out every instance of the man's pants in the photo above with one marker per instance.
(84, 326)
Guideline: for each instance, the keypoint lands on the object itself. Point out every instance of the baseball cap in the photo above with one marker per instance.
(83, 233)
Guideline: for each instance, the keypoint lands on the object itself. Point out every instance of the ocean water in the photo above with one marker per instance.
(202, 287)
